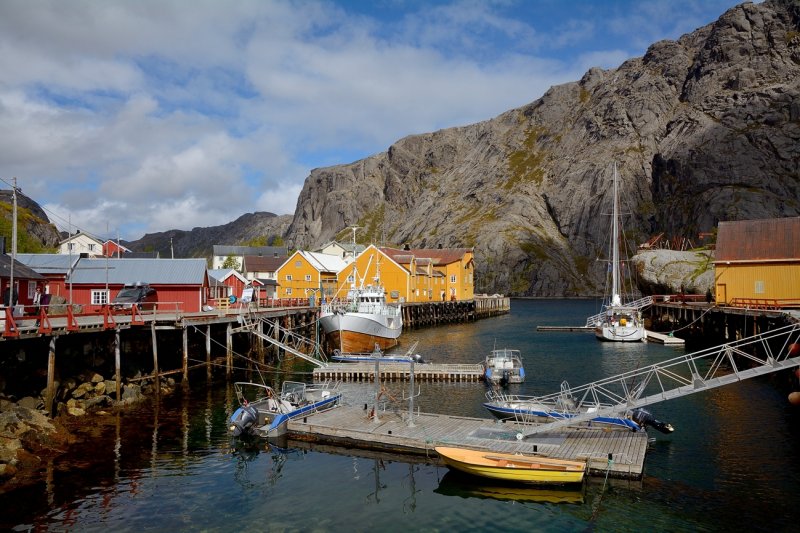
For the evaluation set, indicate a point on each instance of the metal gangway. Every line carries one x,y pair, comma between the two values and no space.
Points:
285,339
639,304
768,352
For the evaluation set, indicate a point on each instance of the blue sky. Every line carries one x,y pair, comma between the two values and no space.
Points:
155,114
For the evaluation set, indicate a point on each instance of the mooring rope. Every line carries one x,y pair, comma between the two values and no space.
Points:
603,490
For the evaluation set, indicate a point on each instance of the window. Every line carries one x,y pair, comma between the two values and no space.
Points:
308,277
759,289
31,290
70,246
288,277
298,264
350,278
288,291
453,278
91,247
99,297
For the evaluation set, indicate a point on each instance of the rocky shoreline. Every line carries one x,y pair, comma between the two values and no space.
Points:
29,437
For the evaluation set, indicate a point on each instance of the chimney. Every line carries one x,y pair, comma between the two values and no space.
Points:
406,246
440,246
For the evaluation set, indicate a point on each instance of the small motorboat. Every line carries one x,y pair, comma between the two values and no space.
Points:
513,467
503,366
563,406
262,413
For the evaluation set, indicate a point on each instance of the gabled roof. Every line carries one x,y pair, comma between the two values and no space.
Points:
48,264
258,263
775,239
153,271
81,234
221,274
346,246
224,250
21,271
323,262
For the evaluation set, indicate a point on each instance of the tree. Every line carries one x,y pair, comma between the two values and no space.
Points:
231,262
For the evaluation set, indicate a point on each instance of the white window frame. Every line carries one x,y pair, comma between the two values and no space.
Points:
99,296
308,277
452,278
759,286
288,277
288,291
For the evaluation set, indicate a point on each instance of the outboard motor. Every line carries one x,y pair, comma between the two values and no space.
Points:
506,378
243,419
644,418
418,359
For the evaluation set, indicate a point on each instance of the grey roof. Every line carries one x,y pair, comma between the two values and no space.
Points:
48,263
223,250
20,270
153,271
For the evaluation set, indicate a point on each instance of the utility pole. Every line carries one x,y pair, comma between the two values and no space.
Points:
13,245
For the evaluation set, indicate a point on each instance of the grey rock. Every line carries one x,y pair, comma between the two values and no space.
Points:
703,129
671,271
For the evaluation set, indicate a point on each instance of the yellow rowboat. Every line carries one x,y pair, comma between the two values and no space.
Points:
512,467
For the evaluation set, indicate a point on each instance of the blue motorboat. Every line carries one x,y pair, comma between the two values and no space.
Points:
263,413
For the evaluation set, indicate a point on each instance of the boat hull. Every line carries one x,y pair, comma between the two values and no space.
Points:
503,411
511,467
360,332
620,333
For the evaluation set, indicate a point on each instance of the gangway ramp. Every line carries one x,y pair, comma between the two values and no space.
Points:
286,339
639,304
765,353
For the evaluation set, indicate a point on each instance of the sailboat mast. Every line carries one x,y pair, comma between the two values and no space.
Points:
615,243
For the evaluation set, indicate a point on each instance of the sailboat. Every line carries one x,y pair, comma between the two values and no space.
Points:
618,321
363,320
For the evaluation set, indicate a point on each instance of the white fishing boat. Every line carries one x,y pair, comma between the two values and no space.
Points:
362,320
262,413
618,321
503,366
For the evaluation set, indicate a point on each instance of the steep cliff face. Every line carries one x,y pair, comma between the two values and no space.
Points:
703,129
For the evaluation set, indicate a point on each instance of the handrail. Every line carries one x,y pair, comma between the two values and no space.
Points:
686,374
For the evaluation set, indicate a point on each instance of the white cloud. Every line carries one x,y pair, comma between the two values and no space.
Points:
153,115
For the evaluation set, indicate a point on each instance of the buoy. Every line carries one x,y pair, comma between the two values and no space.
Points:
794,350
794,398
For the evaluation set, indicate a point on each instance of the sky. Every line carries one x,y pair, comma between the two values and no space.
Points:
125,117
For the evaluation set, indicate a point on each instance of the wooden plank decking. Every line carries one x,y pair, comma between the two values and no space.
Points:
352,426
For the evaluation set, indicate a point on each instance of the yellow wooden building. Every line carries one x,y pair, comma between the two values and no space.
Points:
758,260
304,274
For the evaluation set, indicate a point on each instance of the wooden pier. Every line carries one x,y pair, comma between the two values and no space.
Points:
660,338
618,452
365,371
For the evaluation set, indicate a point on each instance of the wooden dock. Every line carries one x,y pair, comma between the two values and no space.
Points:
391,432
660,338
365,371
564,328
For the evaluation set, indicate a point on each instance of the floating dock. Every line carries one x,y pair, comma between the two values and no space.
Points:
620,453
660,338
365,371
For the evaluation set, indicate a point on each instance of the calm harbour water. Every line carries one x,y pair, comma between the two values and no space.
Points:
732,463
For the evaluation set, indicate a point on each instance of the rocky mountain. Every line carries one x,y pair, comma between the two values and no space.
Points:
703,129
199,242
35,233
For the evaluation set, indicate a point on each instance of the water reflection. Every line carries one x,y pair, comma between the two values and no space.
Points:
463,486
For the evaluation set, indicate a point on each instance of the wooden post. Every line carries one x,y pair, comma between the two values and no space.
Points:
185,354
229,350
50,394
155,354
117,376
208,352
260,341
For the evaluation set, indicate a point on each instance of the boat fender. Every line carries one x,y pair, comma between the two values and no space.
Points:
521,372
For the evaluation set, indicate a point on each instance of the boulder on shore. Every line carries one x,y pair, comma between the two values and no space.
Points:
673,272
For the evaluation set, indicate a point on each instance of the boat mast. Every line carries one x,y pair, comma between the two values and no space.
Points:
615,296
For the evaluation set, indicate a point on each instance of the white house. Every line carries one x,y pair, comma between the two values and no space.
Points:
81,243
